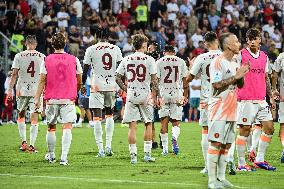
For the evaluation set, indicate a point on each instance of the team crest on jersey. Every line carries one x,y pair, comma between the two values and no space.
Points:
245,119
216,135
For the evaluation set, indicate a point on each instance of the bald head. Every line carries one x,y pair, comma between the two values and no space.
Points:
229,41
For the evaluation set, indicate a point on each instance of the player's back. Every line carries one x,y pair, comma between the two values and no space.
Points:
28,62
138,68
103,58
202,66
170,71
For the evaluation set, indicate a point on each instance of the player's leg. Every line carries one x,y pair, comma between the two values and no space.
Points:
90,118
109,103
22,103
82,116
164,134
265,116
230,159
34,124
175,116
281,131
256,132
52,112
68,115
96,103
203,122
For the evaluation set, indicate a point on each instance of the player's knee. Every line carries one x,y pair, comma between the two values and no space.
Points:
269,129
67,126
175,123
216,144
21,114
51,127
228,146
109,111
245,130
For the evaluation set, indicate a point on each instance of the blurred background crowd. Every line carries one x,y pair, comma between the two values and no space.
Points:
181,23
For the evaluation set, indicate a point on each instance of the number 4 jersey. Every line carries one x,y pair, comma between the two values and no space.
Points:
201,65
28,63
138,68
103,58
171,70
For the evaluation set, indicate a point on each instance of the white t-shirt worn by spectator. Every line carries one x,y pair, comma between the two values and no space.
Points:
195,93
62,23
195,39
79,7
172,7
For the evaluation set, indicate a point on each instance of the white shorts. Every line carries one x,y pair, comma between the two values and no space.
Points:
67,113
221,131
203,120
102,99
171,110
28,102
136,112
281,112
249,112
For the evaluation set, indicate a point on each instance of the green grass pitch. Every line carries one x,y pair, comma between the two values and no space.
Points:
23,170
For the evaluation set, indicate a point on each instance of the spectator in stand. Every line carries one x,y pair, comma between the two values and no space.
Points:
194,99
192,24
142,15
78,7
11,15
88,39
277,38
74,41
172,9
185,8
213,19
122,36
38,6
269,27
128,48
273,52
94,4
268,12
235,28
196,38
63,17
124,17
181,39
162,12
25,8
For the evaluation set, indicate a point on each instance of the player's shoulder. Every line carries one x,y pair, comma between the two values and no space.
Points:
281,56
217,62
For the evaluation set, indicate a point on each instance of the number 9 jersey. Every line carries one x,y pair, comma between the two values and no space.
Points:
138,68
28,63
103,58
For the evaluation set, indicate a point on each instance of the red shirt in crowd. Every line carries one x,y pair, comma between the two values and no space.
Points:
267,14
124,18
25,9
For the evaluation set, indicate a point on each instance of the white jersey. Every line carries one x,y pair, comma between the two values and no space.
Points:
103,58
279,68
171,70
201,65
138,68
28,63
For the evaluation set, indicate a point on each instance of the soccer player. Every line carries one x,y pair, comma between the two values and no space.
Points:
103,58
61,77
278,75
252,102
173,89
222,109
26,68
140,71
201,65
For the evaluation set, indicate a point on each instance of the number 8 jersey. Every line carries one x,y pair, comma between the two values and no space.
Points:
103,58
138,68
171,70
28,63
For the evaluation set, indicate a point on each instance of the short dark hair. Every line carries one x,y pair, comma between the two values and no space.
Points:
253,33
102,33
210,37
223,38
58,41
169,48
31,39
138,40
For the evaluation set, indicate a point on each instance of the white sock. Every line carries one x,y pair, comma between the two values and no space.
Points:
98,132
255,138
212,160
51,142
249,141
241,149
165,141
66,142
80,121
22,131
91,123
132,149
222,163
33,134
175,132
109,131
263,144
231,152
204,145
147,146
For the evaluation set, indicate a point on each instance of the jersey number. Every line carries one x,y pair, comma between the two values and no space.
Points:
139,73
31,69
107,61
170,70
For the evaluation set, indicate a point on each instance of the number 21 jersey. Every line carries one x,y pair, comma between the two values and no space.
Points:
103,58
28,63
138,68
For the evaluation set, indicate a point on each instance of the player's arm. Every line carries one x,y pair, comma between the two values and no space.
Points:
240,83
185,87
274,79
13,82
194,68
79,82
40,88
120,83
85,73
154,86
268,85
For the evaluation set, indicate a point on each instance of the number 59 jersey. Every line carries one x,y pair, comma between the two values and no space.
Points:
170,71
202,65
28,63
138,68
103,58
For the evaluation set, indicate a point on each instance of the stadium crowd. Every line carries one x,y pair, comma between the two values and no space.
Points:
181,23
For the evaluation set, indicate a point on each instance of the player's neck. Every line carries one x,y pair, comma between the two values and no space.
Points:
59,51
254,50
228,55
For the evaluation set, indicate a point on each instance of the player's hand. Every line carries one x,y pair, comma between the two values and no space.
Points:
159,103
276,94
273,103
242,71
191,62
10,94
37,103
